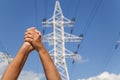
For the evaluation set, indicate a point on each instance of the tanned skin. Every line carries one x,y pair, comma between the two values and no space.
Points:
32,41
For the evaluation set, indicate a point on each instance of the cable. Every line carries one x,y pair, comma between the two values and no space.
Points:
90,18
112,54
77,8
46,8
36,15
92,15
46,3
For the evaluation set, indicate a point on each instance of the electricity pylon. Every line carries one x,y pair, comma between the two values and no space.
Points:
118,42
5,56
58,38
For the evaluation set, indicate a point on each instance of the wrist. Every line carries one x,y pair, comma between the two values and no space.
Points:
40,47
27,46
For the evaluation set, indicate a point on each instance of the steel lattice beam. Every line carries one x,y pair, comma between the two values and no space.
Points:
58,38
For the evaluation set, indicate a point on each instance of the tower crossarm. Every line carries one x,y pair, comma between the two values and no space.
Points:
48,37
57,18
67,38
71,38
68,53
50,22
118,42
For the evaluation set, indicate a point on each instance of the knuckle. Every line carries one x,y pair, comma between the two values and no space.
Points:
31,28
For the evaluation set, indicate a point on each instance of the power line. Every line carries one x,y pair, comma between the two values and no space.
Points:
90,18
36,13
92,15
113,53
77,8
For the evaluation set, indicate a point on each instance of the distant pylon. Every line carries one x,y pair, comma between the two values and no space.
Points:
118,42
5,56
58,38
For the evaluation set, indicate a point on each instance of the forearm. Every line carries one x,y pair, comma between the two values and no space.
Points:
13,70
48,65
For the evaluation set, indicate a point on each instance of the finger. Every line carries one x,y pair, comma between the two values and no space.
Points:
28,36
38,32
32,28
28,43
28,40
29,32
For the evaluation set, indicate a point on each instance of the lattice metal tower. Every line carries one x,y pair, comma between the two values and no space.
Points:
118,42
58,38
4,56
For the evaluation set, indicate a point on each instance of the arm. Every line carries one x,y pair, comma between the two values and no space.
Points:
13,70
51,72
48,65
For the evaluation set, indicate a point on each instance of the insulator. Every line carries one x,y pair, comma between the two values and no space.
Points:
75,52
44,20
43,31
73,61
71,31
116,46
119,33
73,19
81,35
78,45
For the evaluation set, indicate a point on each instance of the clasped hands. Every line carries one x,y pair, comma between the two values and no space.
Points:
32,39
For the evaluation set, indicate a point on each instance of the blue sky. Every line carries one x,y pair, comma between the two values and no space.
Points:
98,20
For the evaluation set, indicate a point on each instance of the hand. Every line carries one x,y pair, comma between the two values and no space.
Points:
33,36
28,46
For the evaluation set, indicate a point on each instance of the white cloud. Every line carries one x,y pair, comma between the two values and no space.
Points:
3,63
29,75
78,58
105,76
